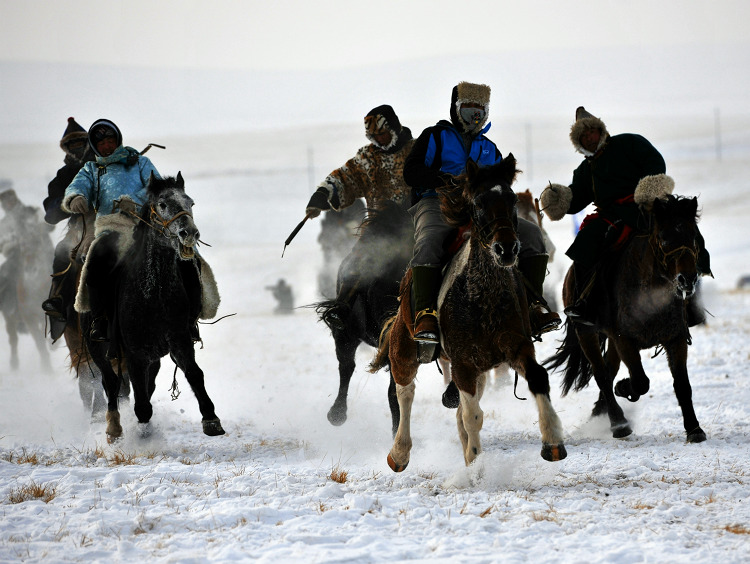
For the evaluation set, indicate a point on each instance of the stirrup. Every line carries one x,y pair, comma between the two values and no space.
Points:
426,336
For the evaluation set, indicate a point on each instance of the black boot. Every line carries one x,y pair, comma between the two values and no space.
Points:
54,307
579,311
542,320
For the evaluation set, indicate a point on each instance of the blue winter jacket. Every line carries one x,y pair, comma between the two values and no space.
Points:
107,179
440,150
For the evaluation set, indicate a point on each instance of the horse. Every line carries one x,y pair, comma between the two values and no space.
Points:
641,302
377,261
483,315
27,249
151,316
87,374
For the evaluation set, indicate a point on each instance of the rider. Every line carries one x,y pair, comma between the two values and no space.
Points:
77,150
375,173
608,177
440,153
118,171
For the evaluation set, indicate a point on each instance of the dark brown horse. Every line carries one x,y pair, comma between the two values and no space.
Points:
483,315
641,296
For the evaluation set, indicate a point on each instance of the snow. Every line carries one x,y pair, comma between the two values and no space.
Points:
267,491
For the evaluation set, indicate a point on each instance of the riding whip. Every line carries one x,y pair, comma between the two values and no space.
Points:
293,234
151,145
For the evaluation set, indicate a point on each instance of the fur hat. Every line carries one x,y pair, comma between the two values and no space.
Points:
468,92
383,119
585,120
73,132
101,129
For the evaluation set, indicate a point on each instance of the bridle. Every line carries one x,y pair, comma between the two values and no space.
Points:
160,224
675,254
486,232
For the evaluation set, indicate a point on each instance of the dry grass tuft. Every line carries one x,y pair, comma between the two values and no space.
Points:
31,491
737,529
338,475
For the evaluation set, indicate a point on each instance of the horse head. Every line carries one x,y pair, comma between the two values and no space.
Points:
169,210
487,202
673,234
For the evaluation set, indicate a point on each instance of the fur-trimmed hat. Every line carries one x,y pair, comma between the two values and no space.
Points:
585,120
73,132
101,129
468,92
383,119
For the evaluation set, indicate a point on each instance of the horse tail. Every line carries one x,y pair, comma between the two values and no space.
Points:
577,374
323,309
381,356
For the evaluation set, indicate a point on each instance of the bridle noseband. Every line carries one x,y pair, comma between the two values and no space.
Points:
161,224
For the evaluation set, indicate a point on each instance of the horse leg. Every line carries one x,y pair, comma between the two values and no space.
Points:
140,370
41,345
346,347
638,383
469,417
185,359
393,405
111,384
537,378
604,377
677,358
612,362
404,366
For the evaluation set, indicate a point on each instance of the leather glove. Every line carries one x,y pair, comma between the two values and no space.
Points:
79,205
318,202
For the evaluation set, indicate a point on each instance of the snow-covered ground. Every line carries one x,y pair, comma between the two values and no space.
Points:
285,485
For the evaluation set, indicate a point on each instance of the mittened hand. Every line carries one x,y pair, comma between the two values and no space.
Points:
312,212
555,200
79,205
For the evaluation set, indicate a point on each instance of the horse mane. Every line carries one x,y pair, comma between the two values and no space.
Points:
461,189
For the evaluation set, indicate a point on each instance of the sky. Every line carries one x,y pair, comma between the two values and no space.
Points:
287,35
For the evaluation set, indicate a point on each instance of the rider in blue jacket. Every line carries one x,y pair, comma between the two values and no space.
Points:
118,171
440,153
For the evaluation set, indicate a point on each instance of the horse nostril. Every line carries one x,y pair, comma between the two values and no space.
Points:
183,234
197,234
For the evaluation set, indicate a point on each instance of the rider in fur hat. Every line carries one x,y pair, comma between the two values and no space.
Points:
375,173
117,172
615,175
75,145
440,153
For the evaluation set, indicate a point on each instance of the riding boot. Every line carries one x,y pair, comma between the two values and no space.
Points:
426,282
100,263
534,269
55,305
579,311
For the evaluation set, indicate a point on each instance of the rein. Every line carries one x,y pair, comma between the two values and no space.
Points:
663,255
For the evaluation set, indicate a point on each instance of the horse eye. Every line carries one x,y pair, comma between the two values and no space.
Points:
162,206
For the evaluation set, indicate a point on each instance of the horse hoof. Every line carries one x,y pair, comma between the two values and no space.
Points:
212,427
144,430
624,389
451,397
396,467
621,431
336,418
554,453
112,439
696,436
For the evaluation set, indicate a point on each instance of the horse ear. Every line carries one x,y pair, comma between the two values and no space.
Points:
180,181
508,167
151,182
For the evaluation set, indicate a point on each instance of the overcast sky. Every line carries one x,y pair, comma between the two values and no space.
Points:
328,34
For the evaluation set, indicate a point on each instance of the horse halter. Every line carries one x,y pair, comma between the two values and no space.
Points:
486,232
157,219
677,253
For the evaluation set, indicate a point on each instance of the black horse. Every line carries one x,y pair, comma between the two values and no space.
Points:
367,295
154,301
642,296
